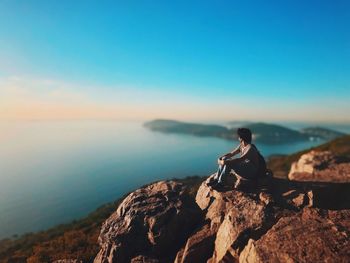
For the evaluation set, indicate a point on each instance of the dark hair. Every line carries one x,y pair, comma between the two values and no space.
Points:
245,134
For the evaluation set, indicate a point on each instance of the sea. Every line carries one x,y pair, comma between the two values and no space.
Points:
52,172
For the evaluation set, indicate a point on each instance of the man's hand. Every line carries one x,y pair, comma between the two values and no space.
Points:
226,156
221,162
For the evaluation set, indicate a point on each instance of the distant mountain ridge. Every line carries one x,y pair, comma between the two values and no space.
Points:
272,133
262,132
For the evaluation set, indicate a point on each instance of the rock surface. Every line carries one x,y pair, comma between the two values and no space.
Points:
199,247
67,261
298,198
295,221
307,236
150,224
316,166
234,216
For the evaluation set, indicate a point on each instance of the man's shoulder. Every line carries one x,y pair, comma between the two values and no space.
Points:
253,148
252,145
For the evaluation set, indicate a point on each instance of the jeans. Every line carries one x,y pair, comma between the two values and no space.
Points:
221,173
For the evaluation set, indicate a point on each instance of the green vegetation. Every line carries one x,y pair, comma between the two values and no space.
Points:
77,240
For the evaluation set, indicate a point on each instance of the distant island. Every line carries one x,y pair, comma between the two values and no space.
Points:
262,132
319,132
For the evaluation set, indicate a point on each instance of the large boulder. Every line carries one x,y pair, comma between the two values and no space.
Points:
151,224
234,216
254,227
320,166
309,236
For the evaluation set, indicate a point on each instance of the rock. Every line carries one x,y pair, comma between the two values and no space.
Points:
309,236
199,246
310,197
162,223
235,216
323,166
245,218
203,197
341,219
266,198
323,179
249,254
144,259
151,222
298,198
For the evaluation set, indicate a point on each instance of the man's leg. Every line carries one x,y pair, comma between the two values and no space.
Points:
223,174
218,173
245,172
215,178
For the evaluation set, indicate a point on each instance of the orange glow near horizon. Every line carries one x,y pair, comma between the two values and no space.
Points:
37,99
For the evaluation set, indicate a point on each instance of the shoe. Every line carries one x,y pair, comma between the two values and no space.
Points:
218,186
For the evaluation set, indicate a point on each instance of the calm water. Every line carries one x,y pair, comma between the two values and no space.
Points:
54,172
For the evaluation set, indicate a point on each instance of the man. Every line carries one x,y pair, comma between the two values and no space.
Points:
245,166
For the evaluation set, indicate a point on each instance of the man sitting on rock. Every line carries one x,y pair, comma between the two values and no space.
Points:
245,167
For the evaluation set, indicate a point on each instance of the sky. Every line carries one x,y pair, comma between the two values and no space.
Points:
185,60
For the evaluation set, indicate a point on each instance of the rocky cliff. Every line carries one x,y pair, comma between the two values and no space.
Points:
274,221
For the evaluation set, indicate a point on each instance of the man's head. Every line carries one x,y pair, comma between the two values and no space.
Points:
245,134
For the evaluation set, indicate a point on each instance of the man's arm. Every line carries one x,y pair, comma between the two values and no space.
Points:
238,159
232,153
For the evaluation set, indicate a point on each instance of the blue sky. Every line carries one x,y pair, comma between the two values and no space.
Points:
198,60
